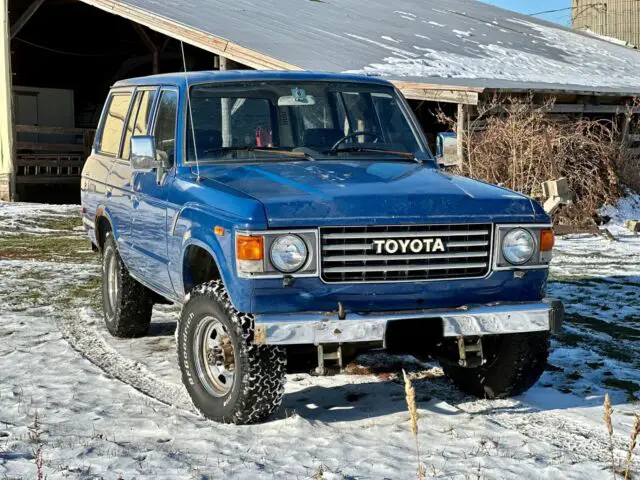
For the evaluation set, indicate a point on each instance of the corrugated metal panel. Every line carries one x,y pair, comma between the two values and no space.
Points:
440,39
614,18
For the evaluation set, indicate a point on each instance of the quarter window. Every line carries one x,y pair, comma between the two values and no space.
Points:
165,129
111,133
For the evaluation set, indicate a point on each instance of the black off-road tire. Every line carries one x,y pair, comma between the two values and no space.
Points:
258,386
515,362
130,316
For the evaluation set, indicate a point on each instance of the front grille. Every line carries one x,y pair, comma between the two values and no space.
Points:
349,254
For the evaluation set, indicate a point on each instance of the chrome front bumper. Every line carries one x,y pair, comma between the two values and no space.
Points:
319,328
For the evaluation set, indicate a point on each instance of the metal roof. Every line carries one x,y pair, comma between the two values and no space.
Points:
193,78
421,45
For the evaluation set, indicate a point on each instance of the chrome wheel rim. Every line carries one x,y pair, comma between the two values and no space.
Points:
215,357
112,282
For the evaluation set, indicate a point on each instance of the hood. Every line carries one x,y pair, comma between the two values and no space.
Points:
297,194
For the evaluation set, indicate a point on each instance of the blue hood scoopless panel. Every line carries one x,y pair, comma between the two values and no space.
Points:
308,194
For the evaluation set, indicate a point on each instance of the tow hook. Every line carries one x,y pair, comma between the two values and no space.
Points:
335,353
470,352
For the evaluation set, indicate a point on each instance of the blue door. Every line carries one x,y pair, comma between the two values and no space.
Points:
118,187
150,193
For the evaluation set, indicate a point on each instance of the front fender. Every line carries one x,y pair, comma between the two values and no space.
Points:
195,228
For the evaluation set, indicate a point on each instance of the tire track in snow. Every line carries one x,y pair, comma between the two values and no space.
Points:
85,339
581,440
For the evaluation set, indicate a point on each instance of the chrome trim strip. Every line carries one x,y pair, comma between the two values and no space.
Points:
405,268
317,327
396,234
353,246
406,256
479,243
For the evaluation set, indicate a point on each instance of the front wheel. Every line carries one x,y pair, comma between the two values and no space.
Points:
515,362
229,378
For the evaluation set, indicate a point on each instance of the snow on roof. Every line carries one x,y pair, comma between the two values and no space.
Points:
458,42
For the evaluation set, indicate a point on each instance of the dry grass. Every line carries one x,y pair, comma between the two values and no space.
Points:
635,431
516,143
632,445
410,394
35,435
608,412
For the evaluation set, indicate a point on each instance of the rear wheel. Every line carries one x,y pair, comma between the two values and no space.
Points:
514,364
127,304
229,378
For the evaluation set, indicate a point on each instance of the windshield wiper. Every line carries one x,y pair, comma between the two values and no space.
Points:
407,155
250,148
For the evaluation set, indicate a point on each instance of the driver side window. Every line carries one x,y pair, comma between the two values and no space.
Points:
165,128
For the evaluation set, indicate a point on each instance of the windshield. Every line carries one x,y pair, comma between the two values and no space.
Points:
318,119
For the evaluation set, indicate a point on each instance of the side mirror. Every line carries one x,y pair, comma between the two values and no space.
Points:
143,154
447,150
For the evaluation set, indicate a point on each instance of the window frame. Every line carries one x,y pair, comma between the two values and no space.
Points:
103,120
151,128
137,93
412,120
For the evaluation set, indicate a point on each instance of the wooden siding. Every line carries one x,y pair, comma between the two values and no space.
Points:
614,18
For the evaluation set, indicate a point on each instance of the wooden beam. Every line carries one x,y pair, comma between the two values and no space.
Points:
438,93
48,179
153,48
52,130
443,96
71,147
25,17
192,36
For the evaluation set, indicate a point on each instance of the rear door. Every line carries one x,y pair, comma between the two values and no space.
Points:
118,188
151,190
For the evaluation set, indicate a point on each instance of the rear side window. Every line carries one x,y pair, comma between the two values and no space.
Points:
113,124
165,129
138,120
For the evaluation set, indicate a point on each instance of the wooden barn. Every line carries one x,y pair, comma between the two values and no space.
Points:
59,57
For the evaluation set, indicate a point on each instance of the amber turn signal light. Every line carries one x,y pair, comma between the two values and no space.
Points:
547,239
249,248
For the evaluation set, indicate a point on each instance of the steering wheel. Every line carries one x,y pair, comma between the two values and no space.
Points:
375,136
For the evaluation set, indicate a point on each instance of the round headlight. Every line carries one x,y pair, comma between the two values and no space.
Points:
288,253
518,246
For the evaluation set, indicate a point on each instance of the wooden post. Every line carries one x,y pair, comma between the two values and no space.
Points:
225,109
7,172
461,131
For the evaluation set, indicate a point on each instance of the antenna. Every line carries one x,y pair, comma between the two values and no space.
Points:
193,132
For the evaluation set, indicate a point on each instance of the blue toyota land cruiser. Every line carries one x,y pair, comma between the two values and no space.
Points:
296,213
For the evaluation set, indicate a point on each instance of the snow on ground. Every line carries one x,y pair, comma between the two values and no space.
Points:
113,408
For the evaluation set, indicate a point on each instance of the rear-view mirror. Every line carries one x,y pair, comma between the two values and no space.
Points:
447,149
295,101
143,153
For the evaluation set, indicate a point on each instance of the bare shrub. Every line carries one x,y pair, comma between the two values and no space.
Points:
516,143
